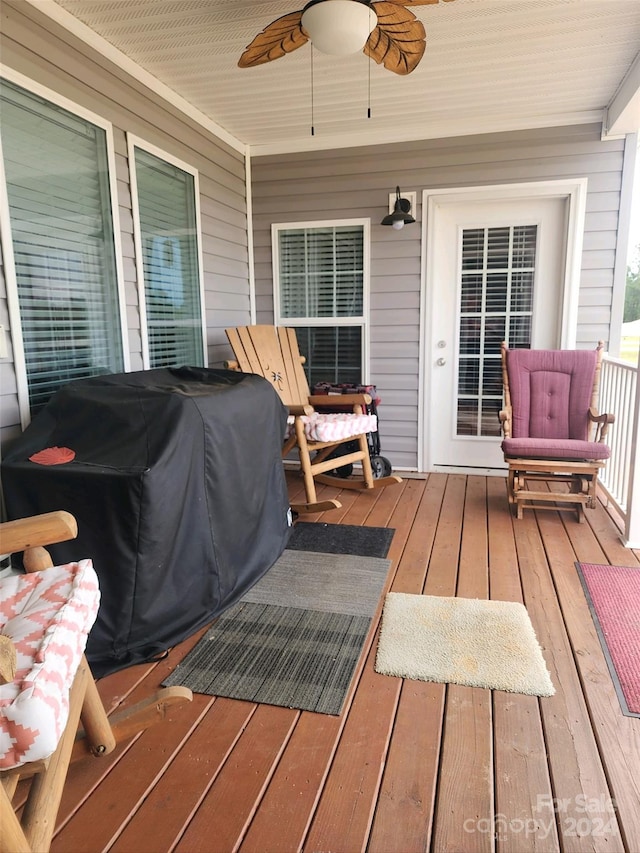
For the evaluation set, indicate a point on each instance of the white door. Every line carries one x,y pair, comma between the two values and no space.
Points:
497,273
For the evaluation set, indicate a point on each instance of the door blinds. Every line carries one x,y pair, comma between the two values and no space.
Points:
496,304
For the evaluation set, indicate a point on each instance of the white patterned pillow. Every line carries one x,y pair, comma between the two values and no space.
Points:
47,615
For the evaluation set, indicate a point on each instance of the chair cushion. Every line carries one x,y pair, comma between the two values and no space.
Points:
335,426
48,615
555,448
551,392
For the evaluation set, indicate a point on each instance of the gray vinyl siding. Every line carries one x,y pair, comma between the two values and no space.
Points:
52,57
356,182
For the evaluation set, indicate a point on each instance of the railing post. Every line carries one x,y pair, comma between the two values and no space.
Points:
632,520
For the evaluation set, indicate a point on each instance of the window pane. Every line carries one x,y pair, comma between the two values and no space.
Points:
494,334
520,332
473,249
470,328
492,377
321,277
496,295
468,375
61,223
168,233
332,354
467,421
489,420
321,271
471,298
525,238
498,248
522,291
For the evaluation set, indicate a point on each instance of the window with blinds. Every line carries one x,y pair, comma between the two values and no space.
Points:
57,178
166,224
496,304
320,274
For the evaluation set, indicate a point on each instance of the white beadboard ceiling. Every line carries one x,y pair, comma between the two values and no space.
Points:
490,65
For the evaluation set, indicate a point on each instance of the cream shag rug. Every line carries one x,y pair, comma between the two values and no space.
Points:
462,641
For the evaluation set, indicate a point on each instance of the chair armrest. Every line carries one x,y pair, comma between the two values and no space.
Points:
504,417
602,422
300,410
331,400
37,530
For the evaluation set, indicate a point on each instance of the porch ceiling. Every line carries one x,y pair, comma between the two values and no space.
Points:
490,65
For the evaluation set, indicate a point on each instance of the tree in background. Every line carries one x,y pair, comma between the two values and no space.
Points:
632,291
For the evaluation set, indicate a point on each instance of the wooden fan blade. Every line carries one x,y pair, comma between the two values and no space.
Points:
398,42
282,36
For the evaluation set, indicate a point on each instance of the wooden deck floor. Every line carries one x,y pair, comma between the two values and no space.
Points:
409,766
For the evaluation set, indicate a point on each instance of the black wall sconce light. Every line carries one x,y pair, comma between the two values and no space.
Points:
401,215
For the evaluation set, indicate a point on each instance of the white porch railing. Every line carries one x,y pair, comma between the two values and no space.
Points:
618,394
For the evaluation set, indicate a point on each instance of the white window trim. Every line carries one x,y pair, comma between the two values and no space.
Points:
364,320
572,189
11,280
134,142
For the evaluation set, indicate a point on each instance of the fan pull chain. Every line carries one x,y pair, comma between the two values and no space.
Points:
313,130
369,77
369,91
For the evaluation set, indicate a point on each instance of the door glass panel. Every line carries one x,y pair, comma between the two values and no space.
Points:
496,304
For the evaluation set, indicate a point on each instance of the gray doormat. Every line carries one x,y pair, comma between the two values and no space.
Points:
341,539
295,639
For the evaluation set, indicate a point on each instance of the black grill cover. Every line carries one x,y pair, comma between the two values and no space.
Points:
179,492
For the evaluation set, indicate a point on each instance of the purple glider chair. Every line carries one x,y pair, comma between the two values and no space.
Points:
550,400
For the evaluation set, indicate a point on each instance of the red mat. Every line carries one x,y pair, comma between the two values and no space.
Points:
613,593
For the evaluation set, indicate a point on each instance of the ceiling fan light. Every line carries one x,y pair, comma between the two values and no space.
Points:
338,27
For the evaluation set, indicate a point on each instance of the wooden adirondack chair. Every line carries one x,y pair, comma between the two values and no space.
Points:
551,426
272,352
46,619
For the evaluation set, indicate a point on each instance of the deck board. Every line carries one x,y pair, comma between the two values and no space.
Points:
465,796
521,774
575,764
229,805
409,766
404,810
616,736
169,808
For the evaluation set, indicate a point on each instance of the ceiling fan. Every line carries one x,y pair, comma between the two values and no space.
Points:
385,30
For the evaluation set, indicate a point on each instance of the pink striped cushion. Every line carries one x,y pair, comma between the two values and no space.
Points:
334,427
555,448
48,615
338,425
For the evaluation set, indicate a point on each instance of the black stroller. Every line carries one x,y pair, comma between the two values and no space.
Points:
380,465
